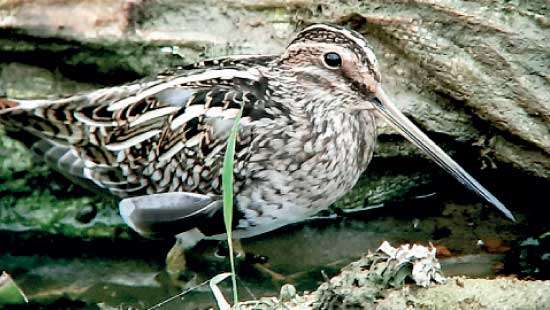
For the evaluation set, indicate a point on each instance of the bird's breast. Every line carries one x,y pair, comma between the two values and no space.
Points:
310,163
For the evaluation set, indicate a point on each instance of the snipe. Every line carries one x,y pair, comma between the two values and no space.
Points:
308,132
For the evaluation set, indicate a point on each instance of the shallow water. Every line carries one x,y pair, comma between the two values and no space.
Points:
297,254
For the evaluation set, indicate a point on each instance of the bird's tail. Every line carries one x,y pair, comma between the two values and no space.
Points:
32,120
7,108
7,105
20,114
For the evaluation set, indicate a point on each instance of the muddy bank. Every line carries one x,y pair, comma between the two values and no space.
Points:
131,272
374,282
457,293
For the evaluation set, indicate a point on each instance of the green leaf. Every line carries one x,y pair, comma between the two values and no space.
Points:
10,293
227,187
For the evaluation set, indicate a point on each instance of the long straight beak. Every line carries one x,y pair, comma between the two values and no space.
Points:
412,133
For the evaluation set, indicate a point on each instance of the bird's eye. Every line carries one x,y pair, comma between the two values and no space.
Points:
333,60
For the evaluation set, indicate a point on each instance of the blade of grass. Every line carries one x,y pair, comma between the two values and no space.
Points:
10,293
227,186
180,295
220,300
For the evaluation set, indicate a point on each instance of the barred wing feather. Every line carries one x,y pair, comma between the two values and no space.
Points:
164,135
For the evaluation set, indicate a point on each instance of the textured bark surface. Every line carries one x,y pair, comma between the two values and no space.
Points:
472,74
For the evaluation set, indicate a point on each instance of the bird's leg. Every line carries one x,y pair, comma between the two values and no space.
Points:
238,248
257,263
175,260
249,263
265,271
176,265
223,249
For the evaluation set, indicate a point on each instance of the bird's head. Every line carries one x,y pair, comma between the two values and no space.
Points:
339,60
333,60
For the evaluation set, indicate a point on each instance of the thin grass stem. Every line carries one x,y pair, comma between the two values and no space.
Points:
227,186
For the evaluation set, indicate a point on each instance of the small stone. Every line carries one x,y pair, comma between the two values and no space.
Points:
442,251
252,258
416,223
497,267
459,282
495,246
288,291
529,242
86,214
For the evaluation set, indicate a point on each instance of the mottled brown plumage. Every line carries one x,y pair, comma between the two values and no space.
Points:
307,133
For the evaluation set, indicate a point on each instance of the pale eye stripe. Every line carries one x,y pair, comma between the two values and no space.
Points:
153,114
190,113
362,43
224,74
132,141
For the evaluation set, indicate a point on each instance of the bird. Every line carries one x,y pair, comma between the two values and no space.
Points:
307,133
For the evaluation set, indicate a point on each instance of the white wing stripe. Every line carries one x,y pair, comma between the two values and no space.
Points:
132,141
171,152
224,74
196,139
153,114
88,121
190,113
214,112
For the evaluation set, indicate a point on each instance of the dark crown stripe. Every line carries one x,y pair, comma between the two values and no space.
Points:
352,39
